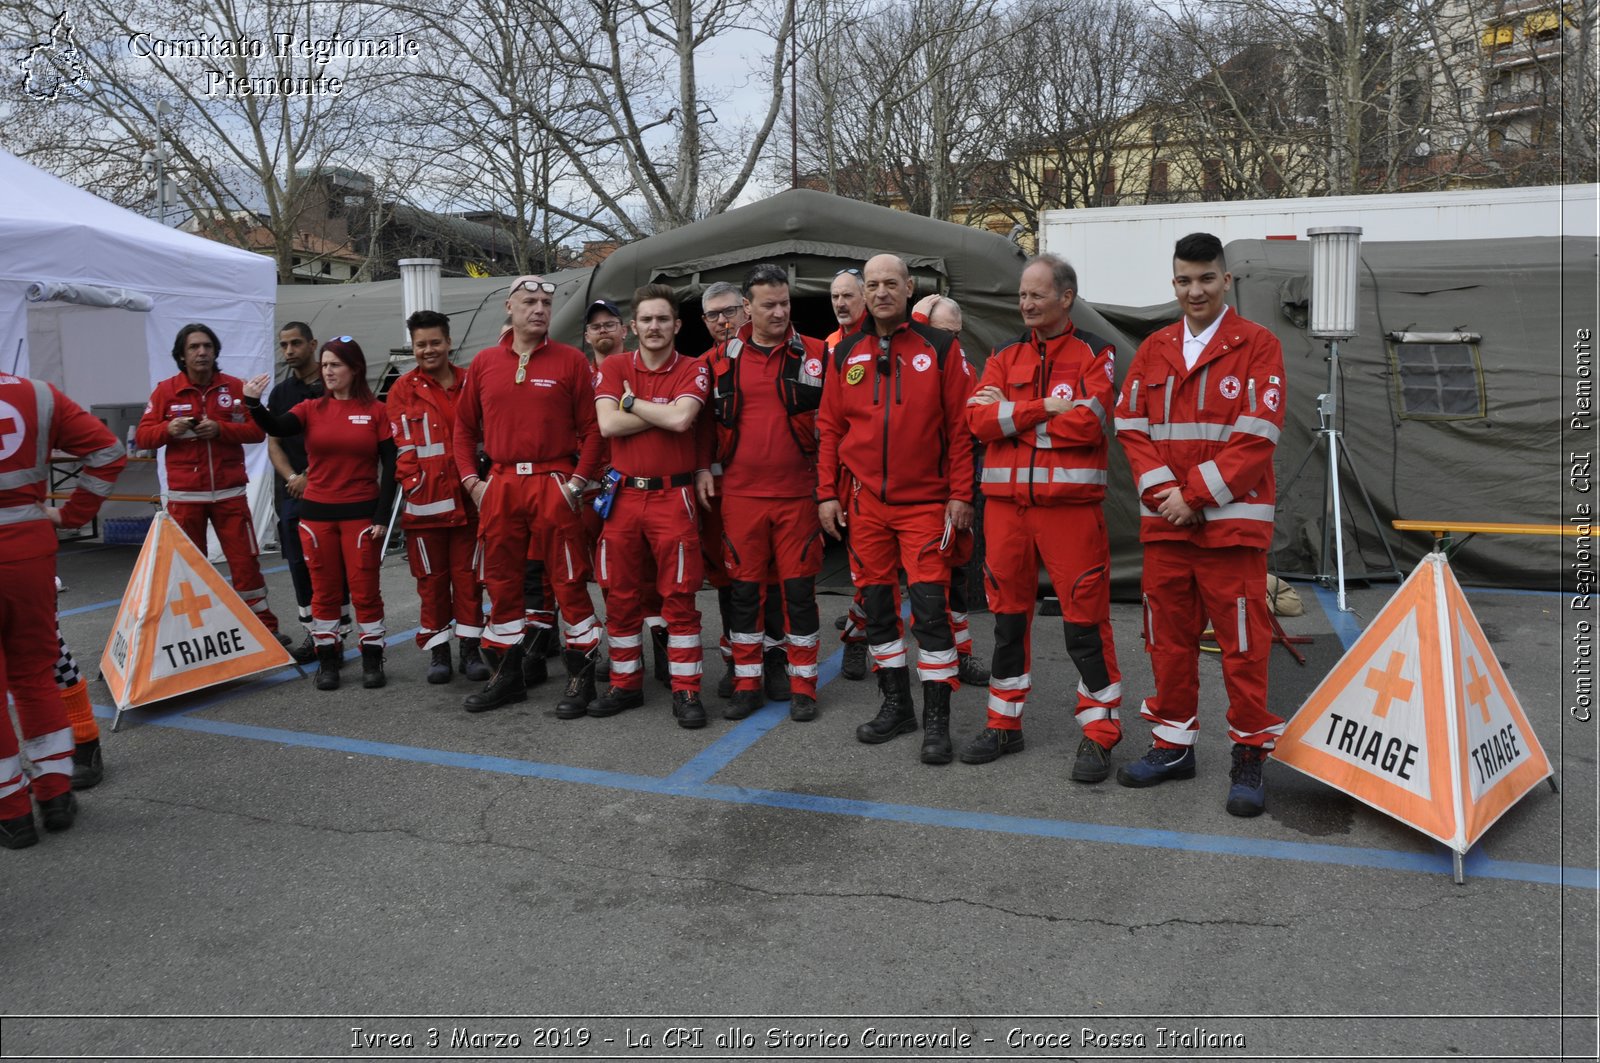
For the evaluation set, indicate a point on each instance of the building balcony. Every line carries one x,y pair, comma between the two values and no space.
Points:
1525,53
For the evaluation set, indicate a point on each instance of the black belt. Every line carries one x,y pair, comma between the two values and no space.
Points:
657,483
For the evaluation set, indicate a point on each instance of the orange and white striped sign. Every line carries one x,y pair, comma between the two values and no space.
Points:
1417,719
181,626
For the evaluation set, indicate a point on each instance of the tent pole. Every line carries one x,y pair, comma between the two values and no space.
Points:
1459,872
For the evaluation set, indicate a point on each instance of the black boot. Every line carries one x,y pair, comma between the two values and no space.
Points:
330,659
897,715
854,664
372,676
306,652
936,724
970,672
535,666
472,663
87,767
688,710
616,700
580,684
775,673
504,688
725,684
439,664
658,651
18,833
59,812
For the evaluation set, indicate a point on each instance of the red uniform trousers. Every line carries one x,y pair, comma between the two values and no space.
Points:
237,536
855,624
444,562
526,517
652,528
340,554
1070,540
28,651
766,535
883,540
649,597
1183,586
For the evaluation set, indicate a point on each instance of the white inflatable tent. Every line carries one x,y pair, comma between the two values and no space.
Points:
92,295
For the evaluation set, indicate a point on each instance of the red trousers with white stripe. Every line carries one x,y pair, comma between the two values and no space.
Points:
341,553
766,535
443,562
883,540
1070,541
1183,586
28,651
855,624
527,517
236,534
645,527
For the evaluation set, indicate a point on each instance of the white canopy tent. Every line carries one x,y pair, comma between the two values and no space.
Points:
109,291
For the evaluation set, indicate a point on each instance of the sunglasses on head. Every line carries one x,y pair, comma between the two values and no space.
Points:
533,286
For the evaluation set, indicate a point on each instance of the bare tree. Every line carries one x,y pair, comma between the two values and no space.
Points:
251,99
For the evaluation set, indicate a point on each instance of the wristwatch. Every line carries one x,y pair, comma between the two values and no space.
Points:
627,403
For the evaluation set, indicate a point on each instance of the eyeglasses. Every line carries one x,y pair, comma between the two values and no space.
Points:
533,286
522,366
853,272
725,314
604,326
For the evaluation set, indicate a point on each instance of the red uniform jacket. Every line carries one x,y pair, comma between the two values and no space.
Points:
1035,458
422,416
200,470
35,419
894,417
800,389
547,421
1211,430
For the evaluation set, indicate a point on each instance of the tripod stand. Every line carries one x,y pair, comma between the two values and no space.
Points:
1331,439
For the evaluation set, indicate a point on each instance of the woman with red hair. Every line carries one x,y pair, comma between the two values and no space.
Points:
350,455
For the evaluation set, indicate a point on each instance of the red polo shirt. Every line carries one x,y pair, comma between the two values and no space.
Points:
655,451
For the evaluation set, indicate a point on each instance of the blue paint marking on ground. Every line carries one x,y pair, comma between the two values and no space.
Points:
1345,625
725,750
1065,830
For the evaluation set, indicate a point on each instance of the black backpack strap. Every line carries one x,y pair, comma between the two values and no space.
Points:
845,346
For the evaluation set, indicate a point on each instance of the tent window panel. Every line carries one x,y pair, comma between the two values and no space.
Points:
1439,381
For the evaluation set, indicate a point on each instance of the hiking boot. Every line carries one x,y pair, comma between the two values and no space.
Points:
535,665
775,674
1092,763
504,688
897,715
970,672
306,652
58,812
658,656
18,833
372,676
472,662
992,743
803,708
330,659
854,664
725,684
687,709
87,767
743,704
1248,794
615,700
1157,766
936,747
581,669
439,664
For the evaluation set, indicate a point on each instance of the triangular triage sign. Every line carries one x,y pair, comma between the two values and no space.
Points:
1417,719
181,627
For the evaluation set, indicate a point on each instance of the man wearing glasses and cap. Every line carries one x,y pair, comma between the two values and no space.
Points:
530,402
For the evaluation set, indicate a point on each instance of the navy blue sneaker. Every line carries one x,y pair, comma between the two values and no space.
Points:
1248,794
1157,766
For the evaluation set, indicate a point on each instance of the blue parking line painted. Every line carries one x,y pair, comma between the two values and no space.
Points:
1345,625
1437,862
719,754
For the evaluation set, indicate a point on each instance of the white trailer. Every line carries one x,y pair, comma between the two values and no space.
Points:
1123,254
